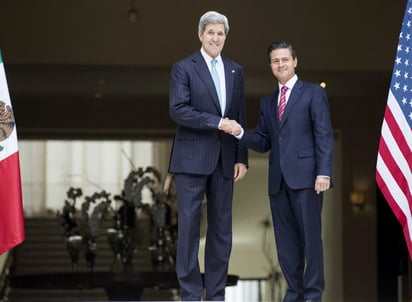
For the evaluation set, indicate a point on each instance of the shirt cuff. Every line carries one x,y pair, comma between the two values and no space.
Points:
241,134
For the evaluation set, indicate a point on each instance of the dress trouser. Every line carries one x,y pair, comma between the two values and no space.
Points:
191,190
296,216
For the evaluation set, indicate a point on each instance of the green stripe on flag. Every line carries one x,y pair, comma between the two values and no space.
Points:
1,59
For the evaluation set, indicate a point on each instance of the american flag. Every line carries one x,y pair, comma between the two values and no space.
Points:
394,163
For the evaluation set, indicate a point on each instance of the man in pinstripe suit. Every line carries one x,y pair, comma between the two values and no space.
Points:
206,161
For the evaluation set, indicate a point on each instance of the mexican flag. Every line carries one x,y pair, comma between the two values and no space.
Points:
11,206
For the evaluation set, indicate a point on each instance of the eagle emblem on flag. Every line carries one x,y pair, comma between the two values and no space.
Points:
7,121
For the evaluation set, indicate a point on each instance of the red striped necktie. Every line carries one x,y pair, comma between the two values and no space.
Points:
282,102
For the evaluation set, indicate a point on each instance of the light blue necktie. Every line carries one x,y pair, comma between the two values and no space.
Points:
215,77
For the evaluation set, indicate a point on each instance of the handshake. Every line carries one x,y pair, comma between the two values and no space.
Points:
230,126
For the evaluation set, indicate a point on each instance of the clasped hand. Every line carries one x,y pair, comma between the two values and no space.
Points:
230,126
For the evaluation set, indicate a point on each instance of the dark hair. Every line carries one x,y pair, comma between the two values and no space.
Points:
280,45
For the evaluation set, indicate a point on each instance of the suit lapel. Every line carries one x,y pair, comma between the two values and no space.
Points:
274,108
203,71
229,78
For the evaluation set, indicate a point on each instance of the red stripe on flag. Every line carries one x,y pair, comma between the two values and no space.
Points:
396,210
391,201
398,135
394,169
11,215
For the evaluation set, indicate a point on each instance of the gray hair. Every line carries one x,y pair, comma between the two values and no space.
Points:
213,17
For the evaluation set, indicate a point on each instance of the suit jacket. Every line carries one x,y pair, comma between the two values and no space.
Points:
194,106
301,145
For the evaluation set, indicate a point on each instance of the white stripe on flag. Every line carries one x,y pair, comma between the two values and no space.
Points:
10,144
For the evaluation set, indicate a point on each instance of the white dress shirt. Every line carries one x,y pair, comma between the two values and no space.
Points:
220,68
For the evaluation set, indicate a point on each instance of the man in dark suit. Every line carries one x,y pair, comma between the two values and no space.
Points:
294,125
206,161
